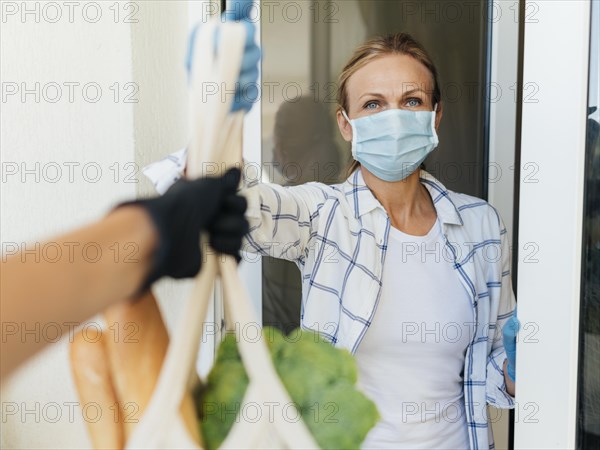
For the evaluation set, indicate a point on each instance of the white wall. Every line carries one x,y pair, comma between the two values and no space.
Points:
37,48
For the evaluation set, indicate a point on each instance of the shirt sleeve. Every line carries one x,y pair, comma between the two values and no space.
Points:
495,385
167,171
281,218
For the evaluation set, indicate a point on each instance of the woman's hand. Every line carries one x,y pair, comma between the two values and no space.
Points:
509,336
246,91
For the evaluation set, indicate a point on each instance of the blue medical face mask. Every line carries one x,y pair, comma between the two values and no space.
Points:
392,144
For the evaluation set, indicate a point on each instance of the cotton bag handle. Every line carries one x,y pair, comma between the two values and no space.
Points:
259,366
255,356
207,115
216,138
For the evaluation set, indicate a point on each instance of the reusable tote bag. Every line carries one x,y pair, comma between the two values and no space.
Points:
216,138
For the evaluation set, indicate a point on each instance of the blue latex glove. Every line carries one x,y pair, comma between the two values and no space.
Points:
237,10
246,91
509,337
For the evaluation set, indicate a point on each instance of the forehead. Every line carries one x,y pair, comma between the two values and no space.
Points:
390,74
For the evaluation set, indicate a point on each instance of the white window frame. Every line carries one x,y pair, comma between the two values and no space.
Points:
556,59
502,140
251,267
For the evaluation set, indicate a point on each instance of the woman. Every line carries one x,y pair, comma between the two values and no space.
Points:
412,278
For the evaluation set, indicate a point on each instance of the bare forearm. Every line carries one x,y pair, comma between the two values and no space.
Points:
112,260
98,265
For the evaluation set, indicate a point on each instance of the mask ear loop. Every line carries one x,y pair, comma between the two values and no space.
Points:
435,135
353,133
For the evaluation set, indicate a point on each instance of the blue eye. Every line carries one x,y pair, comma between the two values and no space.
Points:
371,105
414,102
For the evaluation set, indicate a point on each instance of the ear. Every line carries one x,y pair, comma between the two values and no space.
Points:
344,126
438,115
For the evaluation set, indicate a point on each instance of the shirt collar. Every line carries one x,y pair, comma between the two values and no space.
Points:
363,200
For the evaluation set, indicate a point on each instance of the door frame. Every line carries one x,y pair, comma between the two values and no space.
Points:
556,48
501,159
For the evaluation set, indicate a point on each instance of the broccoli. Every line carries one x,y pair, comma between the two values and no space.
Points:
219,401
319,378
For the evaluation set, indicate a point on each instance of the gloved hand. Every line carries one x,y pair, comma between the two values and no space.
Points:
185,210
246,91
509,337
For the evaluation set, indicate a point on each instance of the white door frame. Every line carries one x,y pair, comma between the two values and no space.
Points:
251,267
502,141
556,58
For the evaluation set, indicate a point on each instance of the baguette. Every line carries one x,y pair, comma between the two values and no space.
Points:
136,350
128,365
91,373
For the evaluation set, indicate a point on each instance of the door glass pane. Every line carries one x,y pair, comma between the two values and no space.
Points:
305,46
589,368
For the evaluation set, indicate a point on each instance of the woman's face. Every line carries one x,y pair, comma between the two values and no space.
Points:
388,82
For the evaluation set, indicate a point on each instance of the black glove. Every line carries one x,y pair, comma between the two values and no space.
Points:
183,212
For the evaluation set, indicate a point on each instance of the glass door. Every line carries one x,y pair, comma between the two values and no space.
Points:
305,46
588,409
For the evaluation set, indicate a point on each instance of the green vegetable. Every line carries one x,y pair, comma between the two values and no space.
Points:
319,378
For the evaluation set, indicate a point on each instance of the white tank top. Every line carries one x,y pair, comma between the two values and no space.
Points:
412,356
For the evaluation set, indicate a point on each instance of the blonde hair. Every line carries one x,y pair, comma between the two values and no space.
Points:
399,43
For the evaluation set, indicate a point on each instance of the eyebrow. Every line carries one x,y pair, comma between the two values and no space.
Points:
378,95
